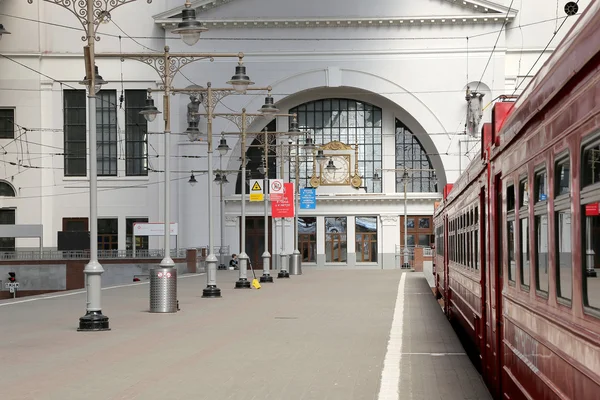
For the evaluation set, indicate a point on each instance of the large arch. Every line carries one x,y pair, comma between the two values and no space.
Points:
7,190
361,86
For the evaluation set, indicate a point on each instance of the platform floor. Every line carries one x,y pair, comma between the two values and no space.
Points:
323,335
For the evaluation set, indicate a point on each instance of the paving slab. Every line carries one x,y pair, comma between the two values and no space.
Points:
322,335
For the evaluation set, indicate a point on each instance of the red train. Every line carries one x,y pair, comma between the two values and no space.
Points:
518,235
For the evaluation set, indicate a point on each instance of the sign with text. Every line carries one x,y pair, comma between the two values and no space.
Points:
256,190
592,210
284,208
276,189
308,199
153,229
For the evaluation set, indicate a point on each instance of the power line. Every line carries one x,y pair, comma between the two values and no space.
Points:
495,44
543,51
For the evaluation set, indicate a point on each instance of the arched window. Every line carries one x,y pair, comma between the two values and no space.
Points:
6,190
350,122
255,159
411,155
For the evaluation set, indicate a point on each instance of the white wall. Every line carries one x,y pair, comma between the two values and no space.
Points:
410,72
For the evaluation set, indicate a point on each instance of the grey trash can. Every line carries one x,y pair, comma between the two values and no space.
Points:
295,264
163,290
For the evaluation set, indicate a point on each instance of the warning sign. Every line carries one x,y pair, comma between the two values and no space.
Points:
276,189
256,191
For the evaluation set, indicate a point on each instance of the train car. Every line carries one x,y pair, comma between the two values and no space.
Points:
521,233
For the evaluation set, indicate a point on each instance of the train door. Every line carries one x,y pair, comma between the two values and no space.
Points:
446,265
494,325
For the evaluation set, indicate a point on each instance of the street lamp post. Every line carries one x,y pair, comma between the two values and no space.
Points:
405,178
90,14
223,148
167,65
266,256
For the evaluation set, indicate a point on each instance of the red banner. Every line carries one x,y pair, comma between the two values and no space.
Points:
284,207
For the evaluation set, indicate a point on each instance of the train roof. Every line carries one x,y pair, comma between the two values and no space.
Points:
576,49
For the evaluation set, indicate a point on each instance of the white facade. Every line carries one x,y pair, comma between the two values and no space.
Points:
414,60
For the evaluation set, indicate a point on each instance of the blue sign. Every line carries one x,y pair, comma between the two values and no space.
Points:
308,199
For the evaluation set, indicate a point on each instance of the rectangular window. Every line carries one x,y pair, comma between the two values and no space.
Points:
524,254
591,272
136,134
541,189
141,242
366,239
541,256
307,238
7,217
108,234
563,177
75,132
564,282
476,248
106,131
511,251
424,240
335,239
7,123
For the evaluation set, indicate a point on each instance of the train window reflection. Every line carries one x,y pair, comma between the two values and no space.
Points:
563,177
541,190
511,251
524,254
523,194
564,266
591,272
591,165
541,259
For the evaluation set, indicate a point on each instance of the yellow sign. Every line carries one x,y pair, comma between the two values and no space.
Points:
256,191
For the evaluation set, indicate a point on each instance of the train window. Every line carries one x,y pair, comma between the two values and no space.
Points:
591,257
541,253
563,177
541,186
476,247
564,268
510,197
524,253
591,165
511,251
523,193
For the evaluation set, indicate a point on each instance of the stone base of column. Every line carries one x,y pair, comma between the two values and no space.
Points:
242,283
283,274
93,321
266,278
211,291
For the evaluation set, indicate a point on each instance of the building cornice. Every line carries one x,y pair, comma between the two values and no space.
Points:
366,22
484,12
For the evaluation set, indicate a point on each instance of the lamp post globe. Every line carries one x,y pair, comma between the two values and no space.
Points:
150,111
223,148
268,109
98,81
192,181
189,28
240,81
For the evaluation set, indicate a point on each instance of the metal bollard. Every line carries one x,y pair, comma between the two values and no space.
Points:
163,290
295,264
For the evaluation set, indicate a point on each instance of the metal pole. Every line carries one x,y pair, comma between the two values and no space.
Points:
93,320
167,262
295,262
405,265
266,277
283,271
222,209
211,290
243,282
